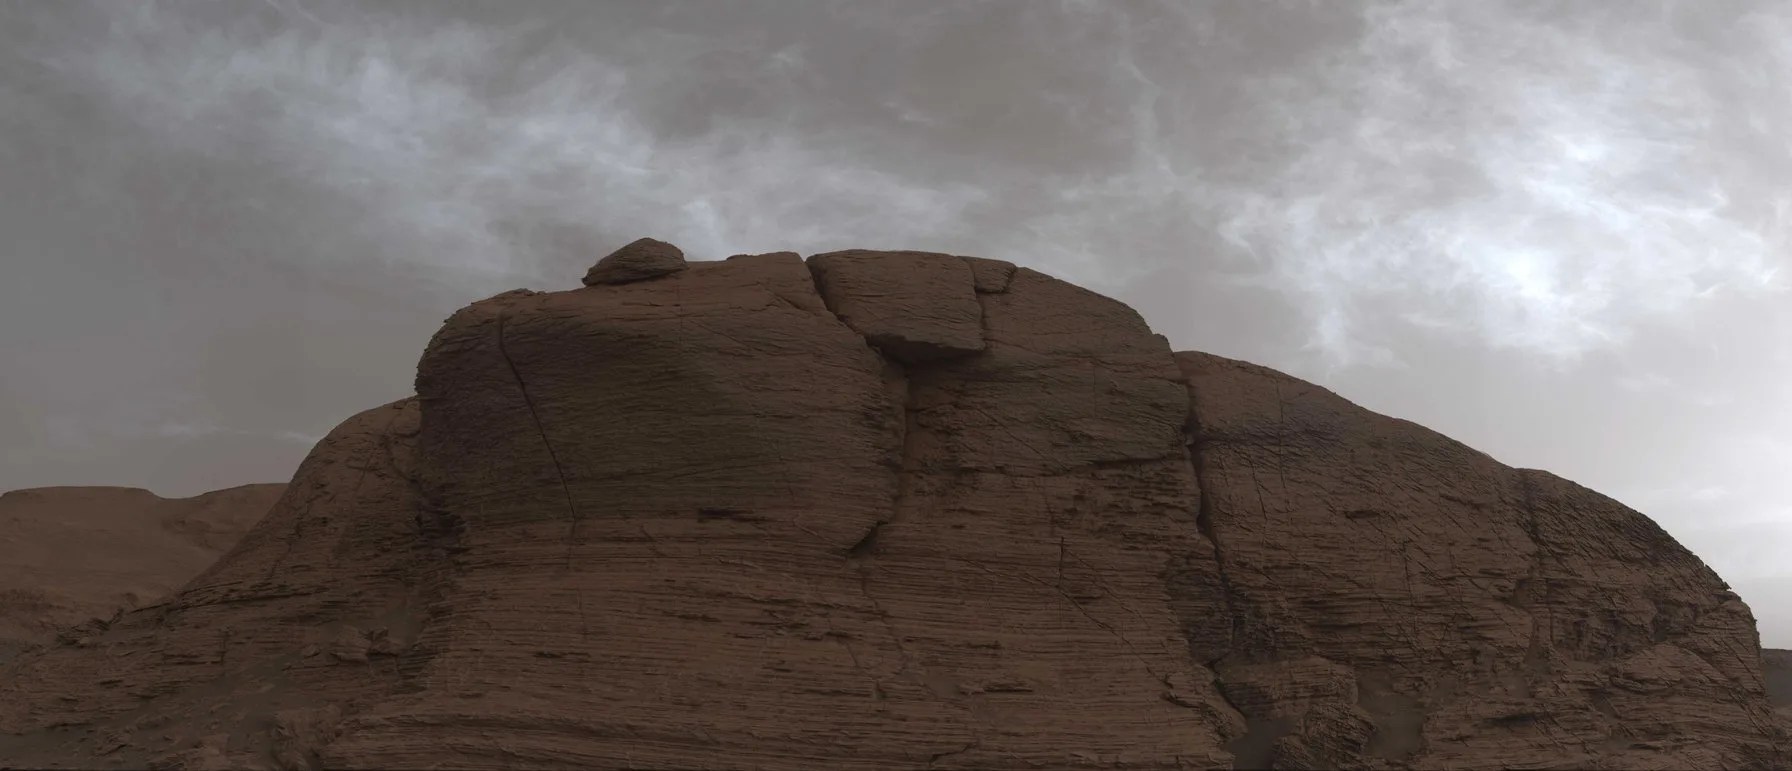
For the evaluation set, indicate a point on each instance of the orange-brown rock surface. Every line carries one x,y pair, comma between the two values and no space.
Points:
71,554
902,510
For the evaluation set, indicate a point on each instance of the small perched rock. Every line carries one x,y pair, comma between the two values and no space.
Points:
641,260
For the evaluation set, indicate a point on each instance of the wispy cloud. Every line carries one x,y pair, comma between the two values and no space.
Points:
1524,185
1540,181
1548,175
397,116
180,430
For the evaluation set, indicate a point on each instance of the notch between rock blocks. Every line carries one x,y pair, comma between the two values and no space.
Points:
867,544
912,307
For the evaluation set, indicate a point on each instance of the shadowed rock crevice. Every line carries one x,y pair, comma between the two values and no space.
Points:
837,296
990,276
1204,523
954,441
865,545
1253,749
861,303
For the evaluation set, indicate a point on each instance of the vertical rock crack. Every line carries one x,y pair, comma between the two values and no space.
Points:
572,511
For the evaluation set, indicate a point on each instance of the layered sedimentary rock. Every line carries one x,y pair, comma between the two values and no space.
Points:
640,260
1464,614
903,510
71,554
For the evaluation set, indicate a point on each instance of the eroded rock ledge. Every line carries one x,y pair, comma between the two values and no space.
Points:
902,510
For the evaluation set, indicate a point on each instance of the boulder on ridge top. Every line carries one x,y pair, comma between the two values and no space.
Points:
641,259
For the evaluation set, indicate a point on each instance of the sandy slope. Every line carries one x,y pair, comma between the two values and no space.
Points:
68,554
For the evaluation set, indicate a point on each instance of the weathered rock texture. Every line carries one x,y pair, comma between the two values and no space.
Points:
893,511
71,554
1469,614
643,259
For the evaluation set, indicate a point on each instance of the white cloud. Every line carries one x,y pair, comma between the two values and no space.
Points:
1546,179
1550,181
189,430
459,181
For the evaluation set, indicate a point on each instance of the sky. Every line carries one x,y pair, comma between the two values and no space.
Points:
1556,232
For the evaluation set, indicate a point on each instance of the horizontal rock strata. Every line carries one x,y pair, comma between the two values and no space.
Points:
880,510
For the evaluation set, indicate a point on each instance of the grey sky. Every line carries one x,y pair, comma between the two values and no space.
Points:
1555,231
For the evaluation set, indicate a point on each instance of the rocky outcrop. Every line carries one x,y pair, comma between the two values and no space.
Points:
69,555
239,654
1462,613
641,260
902,510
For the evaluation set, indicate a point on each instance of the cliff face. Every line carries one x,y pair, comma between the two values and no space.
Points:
1473,614
70,554
900,510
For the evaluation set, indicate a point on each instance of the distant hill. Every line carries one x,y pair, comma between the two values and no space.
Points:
68,554
1777,665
